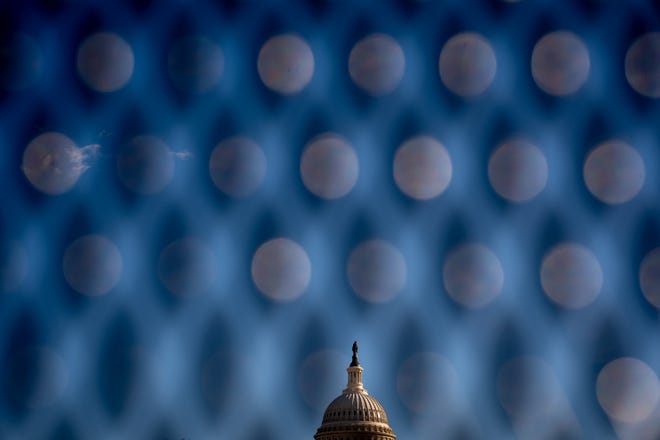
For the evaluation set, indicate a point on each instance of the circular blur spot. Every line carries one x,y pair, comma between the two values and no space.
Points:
376,64
643,65
53,163
13,265
37,376
560,63
422,168
20,62
473,275
627,390
286,64
92,265
186,266
571,275
329,166
614,172
105,62
237,166
526,386
195,64
649,277
517,170
321,374
376,271
145,165
281,269
467,64
427,383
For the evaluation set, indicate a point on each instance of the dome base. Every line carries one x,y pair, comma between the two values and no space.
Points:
350,434
355,431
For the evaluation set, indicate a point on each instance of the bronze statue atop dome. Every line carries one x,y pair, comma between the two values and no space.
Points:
354,362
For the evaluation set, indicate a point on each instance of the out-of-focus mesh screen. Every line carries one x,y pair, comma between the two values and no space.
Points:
204,204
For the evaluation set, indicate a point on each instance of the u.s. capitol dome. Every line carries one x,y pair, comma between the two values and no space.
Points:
355,415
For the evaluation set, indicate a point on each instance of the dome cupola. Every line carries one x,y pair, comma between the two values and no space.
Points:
355,415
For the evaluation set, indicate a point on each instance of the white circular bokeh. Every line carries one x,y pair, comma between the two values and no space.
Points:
649,277
376,271
22,62
145,165
376,64
527,386
92,265
237,166
560,63
517,170
105,62
614,172
627,390
329,166
281,269
643,65
467,64
473,275
428,384
571,275
320,375
187,267
286,64
195,64
422,168
53,163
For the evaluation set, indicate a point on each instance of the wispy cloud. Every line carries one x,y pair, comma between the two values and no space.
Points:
82,158
182,155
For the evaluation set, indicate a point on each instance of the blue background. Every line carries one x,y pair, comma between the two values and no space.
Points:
141,363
